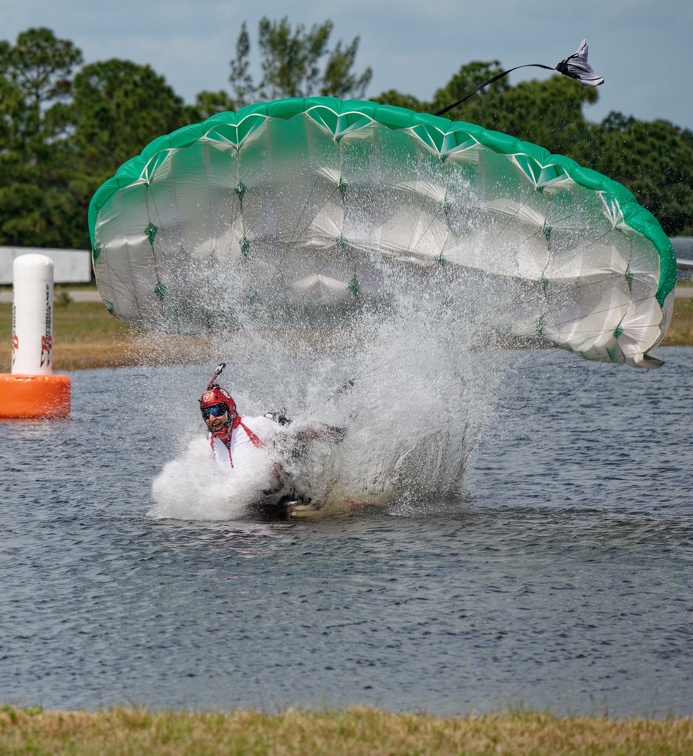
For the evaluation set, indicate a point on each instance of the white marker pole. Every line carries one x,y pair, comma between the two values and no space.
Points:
32,316
31,390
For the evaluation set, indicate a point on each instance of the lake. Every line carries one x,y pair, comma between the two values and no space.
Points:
559,575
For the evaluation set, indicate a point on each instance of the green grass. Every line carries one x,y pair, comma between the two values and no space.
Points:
85,335
680,331
352,731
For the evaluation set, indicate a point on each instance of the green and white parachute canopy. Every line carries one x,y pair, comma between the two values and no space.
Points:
305,211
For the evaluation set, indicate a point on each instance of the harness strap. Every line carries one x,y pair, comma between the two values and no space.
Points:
253,438
226,435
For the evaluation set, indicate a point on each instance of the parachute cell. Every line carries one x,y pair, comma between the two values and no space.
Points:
306,210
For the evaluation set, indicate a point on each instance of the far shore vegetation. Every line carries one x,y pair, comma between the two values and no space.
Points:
353,731
66,126
86,336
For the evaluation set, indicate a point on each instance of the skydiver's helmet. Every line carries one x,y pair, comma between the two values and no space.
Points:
216,401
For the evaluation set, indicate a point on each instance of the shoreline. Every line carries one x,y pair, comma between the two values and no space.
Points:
87,337
353,730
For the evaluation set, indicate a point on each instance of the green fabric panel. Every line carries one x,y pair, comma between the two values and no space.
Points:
160,143
396,118
186,136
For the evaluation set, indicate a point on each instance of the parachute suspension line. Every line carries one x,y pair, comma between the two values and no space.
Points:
343,243
584,285
300,230
537,231
629,275
559,323
239,191
510,219
152,230
581,250
498,256
353,286
119,278
424,231
372,369
313,190
552,395
574,66
577,286
122,281
445,209
162,231
440,211
209,205
544,279
488,83
412,243
513,217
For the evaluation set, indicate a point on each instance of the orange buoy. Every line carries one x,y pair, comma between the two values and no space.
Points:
35,396
32,390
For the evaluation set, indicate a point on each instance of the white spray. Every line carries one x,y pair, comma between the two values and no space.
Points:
408,383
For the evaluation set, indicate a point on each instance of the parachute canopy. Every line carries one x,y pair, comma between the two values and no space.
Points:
303,211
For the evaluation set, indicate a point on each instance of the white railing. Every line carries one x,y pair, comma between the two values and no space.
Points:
69,265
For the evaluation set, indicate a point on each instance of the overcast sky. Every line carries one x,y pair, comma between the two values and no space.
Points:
641,47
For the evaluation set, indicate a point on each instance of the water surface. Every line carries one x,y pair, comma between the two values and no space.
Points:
559,577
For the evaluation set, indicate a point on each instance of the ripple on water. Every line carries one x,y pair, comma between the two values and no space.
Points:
560,578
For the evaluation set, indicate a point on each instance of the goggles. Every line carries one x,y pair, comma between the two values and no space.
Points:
216,411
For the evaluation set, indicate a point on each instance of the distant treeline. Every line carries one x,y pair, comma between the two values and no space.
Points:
65,128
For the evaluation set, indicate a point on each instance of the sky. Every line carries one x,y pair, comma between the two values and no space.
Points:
641,47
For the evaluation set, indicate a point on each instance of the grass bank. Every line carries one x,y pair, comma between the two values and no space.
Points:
680,331
84,334
87,336
350,731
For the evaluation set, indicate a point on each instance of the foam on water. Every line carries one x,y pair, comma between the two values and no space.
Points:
191,488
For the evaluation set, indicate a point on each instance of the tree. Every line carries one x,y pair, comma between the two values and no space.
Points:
63,134
465,82
290,61
548,113
240,76
210,103
393,97
40,65
10,102
655,161
35,77
338,80
118,107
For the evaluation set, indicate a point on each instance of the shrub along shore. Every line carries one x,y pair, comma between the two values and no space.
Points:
85,336
353,731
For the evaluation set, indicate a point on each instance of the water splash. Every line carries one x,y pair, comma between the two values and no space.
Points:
408,383
191,488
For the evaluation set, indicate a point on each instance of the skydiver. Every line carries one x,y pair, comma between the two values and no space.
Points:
255,443
235,440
